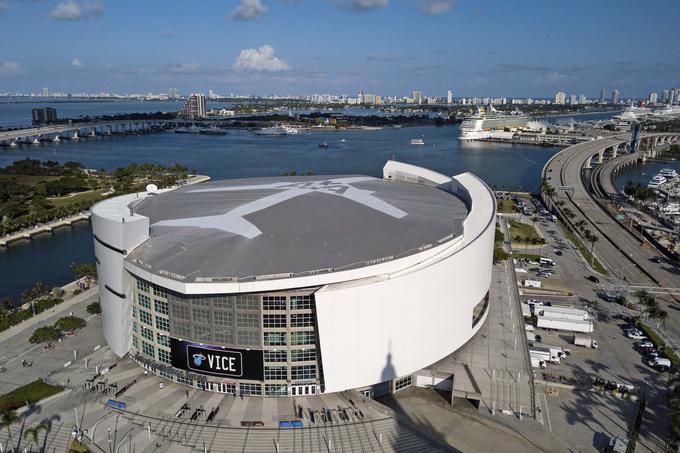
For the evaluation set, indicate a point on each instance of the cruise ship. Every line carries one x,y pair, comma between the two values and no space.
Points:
668,173
482,124
277,130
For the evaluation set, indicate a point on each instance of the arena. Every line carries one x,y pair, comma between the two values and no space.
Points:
300,285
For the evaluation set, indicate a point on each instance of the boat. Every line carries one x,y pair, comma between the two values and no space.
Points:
193,129
482,124
323,145
279,129
657,181
417,141
212,130
668,173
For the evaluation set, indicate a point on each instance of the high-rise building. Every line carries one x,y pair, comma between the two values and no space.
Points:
672,96
449,97
560,98
652,97
173,93
602,94
582,99
417,97
44,115
45,92
194,107
615,97
573,100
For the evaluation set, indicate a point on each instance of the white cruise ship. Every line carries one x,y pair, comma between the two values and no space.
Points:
482,125
277,130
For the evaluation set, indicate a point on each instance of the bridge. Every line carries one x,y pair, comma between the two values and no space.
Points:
626,254
75,131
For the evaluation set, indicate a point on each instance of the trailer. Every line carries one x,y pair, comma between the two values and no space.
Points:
564,312
544,354
554,350
585,341
570,325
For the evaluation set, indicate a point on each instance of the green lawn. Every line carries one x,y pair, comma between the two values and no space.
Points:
522,233
29,393
507,206
90,196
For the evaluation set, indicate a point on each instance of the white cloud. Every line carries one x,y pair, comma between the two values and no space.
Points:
361,5
68,10
249,10
10,67
71,10
94,8
76,62
435,7
259,60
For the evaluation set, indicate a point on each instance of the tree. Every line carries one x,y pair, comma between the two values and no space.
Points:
38,291
8,417
34,432
70,323
87,271
45,334
94,308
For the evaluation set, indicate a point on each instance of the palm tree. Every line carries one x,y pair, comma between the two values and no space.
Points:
6,419
593,239
34,432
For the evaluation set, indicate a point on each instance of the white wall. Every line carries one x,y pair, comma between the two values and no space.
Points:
113,225
377,330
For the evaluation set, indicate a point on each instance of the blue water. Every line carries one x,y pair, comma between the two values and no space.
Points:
242,154
643,173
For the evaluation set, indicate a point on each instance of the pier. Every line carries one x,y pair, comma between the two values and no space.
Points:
44,228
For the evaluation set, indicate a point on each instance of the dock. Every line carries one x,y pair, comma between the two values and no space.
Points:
45,228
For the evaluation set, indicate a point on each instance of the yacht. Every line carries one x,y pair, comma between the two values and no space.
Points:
482,124
657,181
668,173
417,141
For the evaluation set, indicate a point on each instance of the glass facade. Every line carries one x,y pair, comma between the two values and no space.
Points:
282,325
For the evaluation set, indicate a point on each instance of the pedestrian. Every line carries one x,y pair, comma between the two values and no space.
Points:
187,394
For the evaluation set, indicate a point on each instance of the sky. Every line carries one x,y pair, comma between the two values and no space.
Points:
510,48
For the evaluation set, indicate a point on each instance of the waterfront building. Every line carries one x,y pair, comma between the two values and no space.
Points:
582,99
664,96
602,95
218,287
45,92
573,100
449,97
615,97
672,96
560,98
417,97
44,115
194,107
652,97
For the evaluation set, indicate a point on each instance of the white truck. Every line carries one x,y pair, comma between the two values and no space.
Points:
544,354
555,351
585,340
532,283
531,337
570,325
537,363
564,312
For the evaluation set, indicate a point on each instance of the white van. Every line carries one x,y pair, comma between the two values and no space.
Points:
553,218
546,261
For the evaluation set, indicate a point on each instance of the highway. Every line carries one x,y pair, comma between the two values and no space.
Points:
628,260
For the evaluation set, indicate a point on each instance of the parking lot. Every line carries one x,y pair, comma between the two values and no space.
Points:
584,415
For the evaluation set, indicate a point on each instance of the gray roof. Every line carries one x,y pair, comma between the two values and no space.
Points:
238,229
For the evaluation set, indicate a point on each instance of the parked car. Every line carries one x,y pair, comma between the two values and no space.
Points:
657,260
636,335
660,364
593,279
557,252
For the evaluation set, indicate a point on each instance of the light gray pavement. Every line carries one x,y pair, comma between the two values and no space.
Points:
615,360
50,364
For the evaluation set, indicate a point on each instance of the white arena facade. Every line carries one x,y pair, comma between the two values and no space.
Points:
301,285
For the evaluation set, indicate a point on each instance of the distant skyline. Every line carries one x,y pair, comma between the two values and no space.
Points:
387,47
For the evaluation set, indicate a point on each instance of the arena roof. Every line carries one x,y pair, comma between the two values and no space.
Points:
277,227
